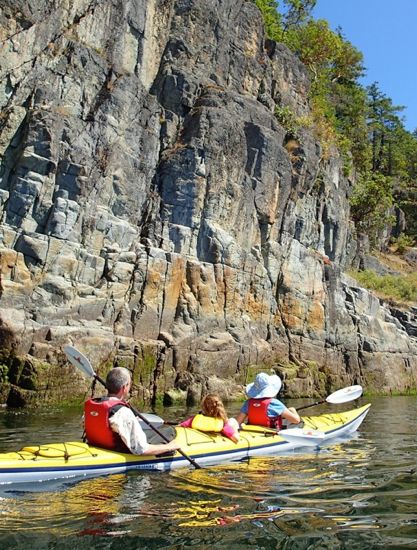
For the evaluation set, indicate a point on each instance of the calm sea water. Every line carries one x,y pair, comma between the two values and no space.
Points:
361,493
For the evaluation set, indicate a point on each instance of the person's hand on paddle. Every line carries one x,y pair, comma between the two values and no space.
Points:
162,448
174,445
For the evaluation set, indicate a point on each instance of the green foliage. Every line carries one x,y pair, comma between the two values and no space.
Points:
271,17
338,102
394,287
371,201
323,123
4,372
407,201
393,152
349,103
402,243
277,24
410,391
327,54
296,12
362,122
288,120
386,131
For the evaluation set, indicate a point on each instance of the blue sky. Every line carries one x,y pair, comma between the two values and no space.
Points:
386,33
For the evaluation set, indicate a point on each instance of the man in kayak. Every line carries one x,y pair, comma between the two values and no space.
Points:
110,423
262,409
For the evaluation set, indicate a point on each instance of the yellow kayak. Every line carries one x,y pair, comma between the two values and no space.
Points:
76,459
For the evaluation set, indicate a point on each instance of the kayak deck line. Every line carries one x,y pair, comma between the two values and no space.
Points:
74,458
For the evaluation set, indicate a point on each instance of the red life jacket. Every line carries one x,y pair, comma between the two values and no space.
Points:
258,414
96,423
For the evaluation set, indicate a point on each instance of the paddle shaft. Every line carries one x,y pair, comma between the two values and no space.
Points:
311,405
161,435
344,395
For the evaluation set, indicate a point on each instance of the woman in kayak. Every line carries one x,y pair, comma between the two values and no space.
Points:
262,408
110,423
213,418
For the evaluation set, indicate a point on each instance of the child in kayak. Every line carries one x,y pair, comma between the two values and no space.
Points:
262,408
213,418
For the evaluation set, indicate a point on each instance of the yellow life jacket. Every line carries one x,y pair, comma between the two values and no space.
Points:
207,423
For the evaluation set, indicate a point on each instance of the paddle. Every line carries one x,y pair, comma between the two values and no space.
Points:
350,393
79,360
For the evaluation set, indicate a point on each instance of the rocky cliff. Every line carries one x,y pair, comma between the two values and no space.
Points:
155,213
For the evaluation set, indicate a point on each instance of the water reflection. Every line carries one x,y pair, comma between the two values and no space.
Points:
93,498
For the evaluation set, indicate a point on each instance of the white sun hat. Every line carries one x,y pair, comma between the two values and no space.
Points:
265,385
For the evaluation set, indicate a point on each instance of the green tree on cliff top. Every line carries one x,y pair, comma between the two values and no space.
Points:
364,123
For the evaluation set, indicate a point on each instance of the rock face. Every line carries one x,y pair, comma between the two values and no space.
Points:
155,213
